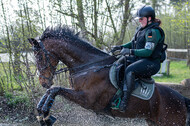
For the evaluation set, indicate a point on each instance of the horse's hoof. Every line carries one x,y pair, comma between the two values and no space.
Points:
42,123
50,121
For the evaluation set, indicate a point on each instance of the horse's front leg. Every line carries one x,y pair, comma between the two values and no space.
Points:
44,106
47,100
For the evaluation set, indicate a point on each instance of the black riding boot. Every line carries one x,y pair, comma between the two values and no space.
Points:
128,87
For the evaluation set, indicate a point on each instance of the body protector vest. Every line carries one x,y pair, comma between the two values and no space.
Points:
139,41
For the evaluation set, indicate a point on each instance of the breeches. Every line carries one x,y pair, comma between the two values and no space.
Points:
143,67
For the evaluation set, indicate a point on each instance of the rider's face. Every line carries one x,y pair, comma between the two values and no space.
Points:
143,21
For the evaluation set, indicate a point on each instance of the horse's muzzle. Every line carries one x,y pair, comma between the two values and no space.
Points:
46,85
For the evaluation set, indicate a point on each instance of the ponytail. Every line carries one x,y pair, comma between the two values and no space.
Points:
158,21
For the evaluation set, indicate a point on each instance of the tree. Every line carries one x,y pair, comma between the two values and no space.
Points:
124,21
81,20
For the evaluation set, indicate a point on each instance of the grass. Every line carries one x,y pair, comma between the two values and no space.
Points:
20,99
178,72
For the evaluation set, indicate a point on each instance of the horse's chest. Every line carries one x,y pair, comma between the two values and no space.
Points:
81,80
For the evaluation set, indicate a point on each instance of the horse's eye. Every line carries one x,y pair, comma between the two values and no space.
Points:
39,57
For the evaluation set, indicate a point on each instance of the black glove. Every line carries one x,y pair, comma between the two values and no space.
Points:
125,51
116,48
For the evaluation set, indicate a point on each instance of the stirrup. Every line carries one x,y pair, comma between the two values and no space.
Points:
116,100
115,105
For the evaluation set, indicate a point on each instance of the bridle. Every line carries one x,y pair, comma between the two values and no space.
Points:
65,69
47,62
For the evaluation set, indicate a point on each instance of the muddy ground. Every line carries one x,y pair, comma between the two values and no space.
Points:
67,114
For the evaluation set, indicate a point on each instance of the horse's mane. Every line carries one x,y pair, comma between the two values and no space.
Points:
68,35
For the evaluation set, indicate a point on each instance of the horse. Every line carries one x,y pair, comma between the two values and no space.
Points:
91,88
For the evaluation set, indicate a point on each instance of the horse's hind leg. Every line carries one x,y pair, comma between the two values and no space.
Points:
151,123
187,103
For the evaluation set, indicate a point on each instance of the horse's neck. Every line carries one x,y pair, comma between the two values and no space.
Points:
74,56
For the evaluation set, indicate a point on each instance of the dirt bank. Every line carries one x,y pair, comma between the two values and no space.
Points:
70,114
67,114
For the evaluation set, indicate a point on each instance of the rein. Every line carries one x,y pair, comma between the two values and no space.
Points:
65,69
81,67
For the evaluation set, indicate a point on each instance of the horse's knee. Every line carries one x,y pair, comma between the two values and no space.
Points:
41,103
53,90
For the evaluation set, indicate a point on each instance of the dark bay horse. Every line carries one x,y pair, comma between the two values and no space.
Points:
91,87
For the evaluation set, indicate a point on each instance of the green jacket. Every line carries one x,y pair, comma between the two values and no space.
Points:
152,38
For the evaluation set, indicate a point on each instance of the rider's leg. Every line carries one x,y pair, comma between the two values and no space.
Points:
128,87
143,68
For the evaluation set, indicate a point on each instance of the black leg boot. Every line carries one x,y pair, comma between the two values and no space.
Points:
128,87
123,104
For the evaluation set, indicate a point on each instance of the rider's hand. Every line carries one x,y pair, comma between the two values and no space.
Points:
116,48
125,51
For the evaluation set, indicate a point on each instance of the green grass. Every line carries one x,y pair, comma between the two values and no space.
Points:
17,99
178,72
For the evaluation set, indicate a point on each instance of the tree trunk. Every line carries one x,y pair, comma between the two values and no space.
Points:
124,23
154,4
80,18
40,15
8,44
112,21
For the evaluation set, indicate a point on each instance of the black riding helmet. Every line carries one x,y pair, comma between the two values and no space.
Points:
146,11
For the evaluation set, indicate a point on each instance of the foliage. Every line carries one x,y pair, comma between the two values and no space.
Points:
17,100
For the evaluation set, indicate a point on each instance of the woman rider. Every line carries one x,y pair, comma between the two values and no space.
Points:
146,46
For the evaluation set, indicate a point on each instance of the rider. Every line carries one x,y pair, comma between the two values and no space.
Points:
146,46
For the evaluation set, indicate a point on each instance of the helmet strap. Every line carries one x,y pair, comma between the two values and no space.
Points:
148,20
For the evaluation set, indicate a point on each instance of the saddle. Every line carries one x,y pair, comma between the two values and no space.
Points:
144,87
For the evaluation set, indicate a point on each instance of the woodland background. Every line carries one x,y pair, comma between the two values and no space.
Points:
104,23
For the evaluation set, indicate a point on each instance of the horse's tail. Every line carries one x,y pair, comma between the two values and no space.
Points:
187,103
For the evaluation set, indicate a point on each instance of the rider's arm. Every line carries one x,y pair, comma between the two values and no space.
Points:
152,38
127,45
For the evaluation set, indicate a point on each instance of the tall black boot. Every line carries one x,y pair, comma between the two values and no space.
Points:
128,87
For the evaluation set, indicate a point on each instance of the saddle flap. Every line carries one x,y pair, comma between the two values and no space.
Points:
144,87
112,76
116,75
143,90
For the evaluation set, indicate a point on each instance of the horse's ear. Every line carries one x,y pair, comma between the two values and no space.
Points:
77,34
33,41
